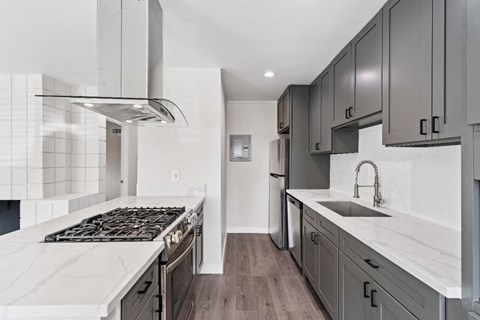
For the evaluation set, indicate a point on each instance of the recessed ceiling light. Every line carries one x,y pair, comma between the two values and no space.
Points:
89,105
138,106
163,121
269,74
129,121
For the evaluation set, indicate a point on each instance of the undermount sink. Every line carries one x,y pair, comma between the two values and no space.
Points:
350,209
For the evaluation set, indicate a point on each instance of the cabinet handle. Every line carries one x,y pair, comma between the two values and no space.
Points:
365,289
423,123
145,289
317,146
315,239
350,112
312,236
347,114
371,264
372,298
435,124
281,124
199,230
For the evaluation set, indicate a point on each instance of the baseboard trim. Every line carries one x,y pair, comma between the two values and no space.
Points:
211,269
247,230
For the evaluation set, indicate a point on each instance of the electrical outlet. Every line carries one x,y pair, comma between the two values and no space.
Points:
175,176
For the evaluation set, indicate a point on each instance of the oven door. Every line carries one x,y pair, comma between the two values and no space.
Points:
178,282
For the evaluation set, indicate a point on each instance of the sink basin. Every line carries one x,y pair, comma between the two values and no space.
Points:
350,209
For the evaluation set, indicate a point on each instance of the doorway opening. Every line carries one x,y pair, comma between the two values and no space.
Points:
113,161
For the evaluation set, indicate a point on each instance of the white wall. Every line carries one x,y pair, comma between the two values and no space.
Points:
423,182
248,182
195,151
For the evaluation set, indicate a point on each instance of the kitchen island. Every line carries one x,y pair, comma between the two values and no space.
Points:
83,281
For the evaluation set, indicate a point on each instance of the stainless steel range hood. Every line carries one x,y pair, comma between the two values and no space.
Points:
130,65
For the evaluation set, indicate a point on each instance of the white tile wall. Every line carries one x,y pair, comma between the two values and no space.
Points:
424,182
44,143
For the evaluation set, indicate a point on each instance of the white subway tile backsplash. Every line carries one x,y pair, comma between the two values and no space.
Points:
19,81
48,175
35,176
27,222
48,190
60,208
28,209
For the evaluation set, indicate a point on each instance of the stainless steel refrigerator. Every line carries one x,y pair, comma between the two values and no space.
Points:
279,150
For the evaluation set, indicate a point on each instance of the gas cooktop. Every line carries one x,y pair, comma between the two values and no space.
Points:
121,224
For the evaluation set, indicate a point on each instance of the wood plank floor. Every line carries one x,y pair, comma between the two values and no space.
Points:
259,282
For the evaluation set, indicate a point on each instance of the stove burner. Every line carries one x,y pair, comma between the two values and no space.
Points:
121,224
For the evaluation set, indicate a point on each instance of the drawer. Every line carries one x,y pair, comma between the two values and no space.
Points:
417,297
139,295
328,229
151,310
310,215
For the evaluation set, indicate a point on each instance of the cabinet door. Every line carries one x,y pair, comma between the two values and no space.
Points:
328,275
309,252
407,78
315,115
280,120
286,109
447,114
342,86
473,70
367,62
386,307
326,102
354,291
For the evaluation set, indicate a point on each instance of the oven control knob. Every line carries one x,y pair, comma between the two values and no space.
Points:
179,234
174,239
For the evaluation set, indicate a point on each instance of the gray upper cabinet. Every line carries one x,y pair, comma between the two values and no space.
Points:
321,113
423,86
342,71
328,275
386,307
367,64
283,112
473,71
407,79
315,115
354,291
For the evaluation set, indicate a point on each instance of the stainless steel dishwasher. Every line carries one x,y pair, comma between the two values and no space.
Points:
295,229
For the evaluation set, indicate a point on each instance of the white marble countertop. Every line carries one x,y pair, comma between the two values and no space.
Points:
429,252
74,280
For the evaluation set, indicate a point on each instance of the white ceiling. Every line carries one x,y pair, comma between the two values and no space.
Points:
294,38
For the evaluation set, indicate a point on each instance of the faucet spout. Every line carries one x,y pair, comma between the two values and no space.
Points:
377,198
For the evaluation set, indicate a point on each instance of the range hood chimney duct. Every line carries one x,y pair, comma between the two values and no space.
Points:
130,65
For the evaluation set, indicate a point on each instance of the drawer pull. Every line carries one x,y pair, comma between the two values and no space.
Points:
365,289
312,236
372,298
371,264
157,311
315,238
145,289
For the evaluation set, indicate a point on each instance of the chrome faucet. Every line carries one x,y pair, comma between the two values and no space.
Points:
377,198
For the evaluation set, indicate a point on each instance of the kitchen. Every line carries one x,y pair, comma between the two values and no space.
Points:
235,177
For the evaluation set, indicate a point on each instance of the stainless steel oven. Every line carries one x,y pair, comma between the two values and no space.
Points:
177,280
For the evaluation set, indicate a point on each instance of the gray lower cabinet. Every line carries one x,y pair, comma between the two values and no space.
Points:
386,307
367,69
142,301
354,287
328,275
309,252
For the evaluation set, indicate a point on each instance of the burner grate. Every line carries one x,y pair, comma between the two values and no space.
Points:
121,224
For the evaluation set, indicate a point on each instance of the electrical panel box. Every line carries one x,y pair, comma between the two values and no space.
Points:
241,147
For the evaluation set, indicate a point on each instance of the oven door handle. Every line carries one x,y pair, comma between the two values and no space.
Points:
175,263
